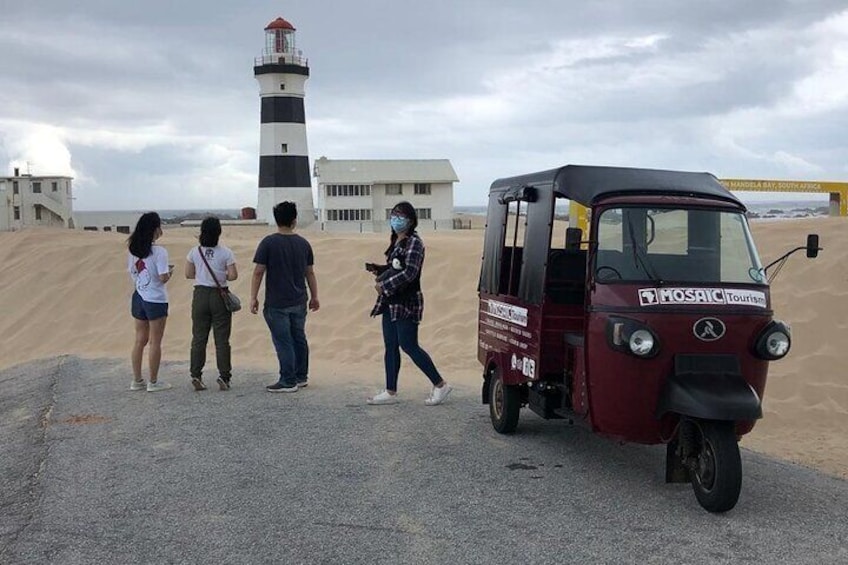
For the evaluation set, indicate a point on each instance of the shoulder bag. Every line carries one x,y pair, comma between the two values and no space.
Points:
231,301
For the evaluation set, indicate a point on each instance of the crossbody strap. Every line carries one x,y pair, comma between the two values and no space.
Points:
214,278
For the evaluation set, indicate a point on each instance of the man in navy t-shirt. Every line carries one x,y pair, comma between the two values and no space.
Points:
285,260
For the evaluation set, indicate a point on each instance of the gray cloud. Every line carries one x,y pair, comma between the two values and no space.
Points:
157,104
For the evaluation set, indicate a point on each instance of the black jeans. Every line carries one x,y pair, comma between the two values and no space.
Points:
208,312
403,334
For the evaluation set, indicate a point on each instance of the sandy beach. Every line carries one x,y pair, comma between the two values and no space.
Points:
67,292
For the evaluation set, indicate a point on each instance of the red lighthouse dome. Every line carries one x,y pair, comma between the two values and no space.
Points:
279,23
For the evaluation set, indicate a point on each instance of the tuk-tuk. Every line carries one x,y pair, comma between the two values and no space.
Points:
654,327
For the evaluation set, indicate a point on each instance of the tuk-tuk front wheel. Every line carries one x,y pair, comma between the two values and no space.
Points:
715,465
504,404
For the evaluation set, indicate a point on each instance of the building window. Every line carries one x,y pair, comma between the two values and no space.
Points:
284,148
38,212
348,190
15,189
422,213
422,188
55,187
394,189
17,212
360,215
36,187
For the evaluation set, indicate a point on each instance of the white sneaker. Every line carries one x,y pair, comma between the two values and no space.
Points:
439,395
138,385
383,398
157,386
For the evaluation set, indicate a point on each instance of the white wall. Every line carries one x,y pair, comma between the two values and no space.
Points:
440,202
5,211
101,220
273,135
269,84
270,197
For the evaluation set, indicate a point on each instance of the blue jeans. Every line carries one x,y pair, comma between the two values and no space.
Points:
403,334
288,332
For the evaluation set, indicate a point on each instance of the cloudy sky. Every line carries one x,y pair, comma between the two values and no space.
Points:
153,104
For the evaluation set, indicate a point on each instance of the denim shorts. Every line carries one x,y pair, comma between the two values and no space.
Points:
143,310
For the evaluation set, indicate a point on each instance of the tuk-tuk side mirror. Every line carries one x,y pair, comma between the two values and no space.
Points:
813,245
812,248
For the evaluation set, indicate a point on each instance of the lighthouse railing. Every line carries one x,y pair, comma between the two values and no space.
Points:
280,59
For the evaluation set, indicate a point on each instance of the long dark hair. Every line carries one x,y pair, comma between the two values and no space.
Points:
210,231
407,210
140,242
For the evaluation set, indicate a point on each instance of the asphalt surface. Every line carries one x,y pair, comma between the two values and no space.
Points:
93,473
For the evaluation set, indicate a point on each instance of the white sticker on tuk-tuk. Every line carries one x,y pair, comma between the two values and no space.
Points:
720,296
508,312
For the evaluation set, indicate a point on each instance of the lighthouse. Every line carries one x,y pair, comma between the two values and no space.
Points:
283,156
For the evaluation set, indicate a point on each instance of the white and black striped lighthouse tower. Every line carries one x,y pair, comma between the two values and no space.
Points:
283,155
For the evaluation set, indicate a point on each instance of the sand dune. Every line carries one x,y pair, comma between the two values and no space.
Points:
68,292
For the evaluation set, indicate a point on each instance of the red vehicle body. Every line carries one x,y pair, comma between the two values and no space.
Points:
656,328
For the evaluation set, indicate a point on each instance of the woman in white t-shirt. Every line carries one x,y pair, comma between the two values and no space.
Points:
207,305
148,266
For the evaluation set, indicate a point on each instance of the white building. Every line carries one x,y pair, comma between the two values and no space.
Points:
357,195
27,200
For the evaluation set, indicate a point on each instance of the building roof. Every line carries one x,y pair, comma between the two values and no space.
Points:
381,171
279,23
38,177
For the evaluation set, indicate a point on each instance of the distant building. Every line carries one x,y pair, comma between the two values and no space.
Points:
121,221
27,200
357,195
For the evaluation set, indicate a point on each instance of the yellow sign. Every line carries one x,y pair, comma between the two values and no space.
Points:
578,216
838,193
838,190
783,185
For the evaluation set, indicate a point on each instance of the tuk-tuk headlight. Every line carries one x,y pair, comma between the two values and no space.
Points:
774,341
777,344
632,337
642,343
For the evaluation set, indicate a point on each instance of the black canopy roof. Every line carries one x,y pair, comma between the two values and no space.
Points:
586,185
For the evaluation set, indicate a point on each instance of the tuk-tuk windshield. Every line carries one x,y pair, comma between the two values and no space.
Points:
675,245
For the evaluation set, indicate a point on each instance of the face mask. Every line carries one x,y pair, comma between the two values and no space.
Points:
398,224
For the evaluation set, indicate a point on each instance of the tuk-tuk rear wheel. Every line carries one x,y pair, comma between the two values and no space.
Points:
504,404
716,467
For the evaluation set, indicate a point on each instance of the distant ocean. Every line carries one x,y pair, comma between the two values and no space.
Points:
769,209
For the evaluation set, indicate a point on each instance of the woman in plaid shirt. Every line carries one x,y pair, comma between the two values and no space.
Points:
399,300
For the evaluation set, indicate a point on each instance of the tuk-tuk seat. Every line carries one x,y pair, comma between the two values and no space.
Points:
574,339
567,276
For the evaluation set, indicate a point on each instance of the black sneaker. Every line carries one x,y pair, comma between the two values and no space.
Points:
198,384
279,387
223,385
